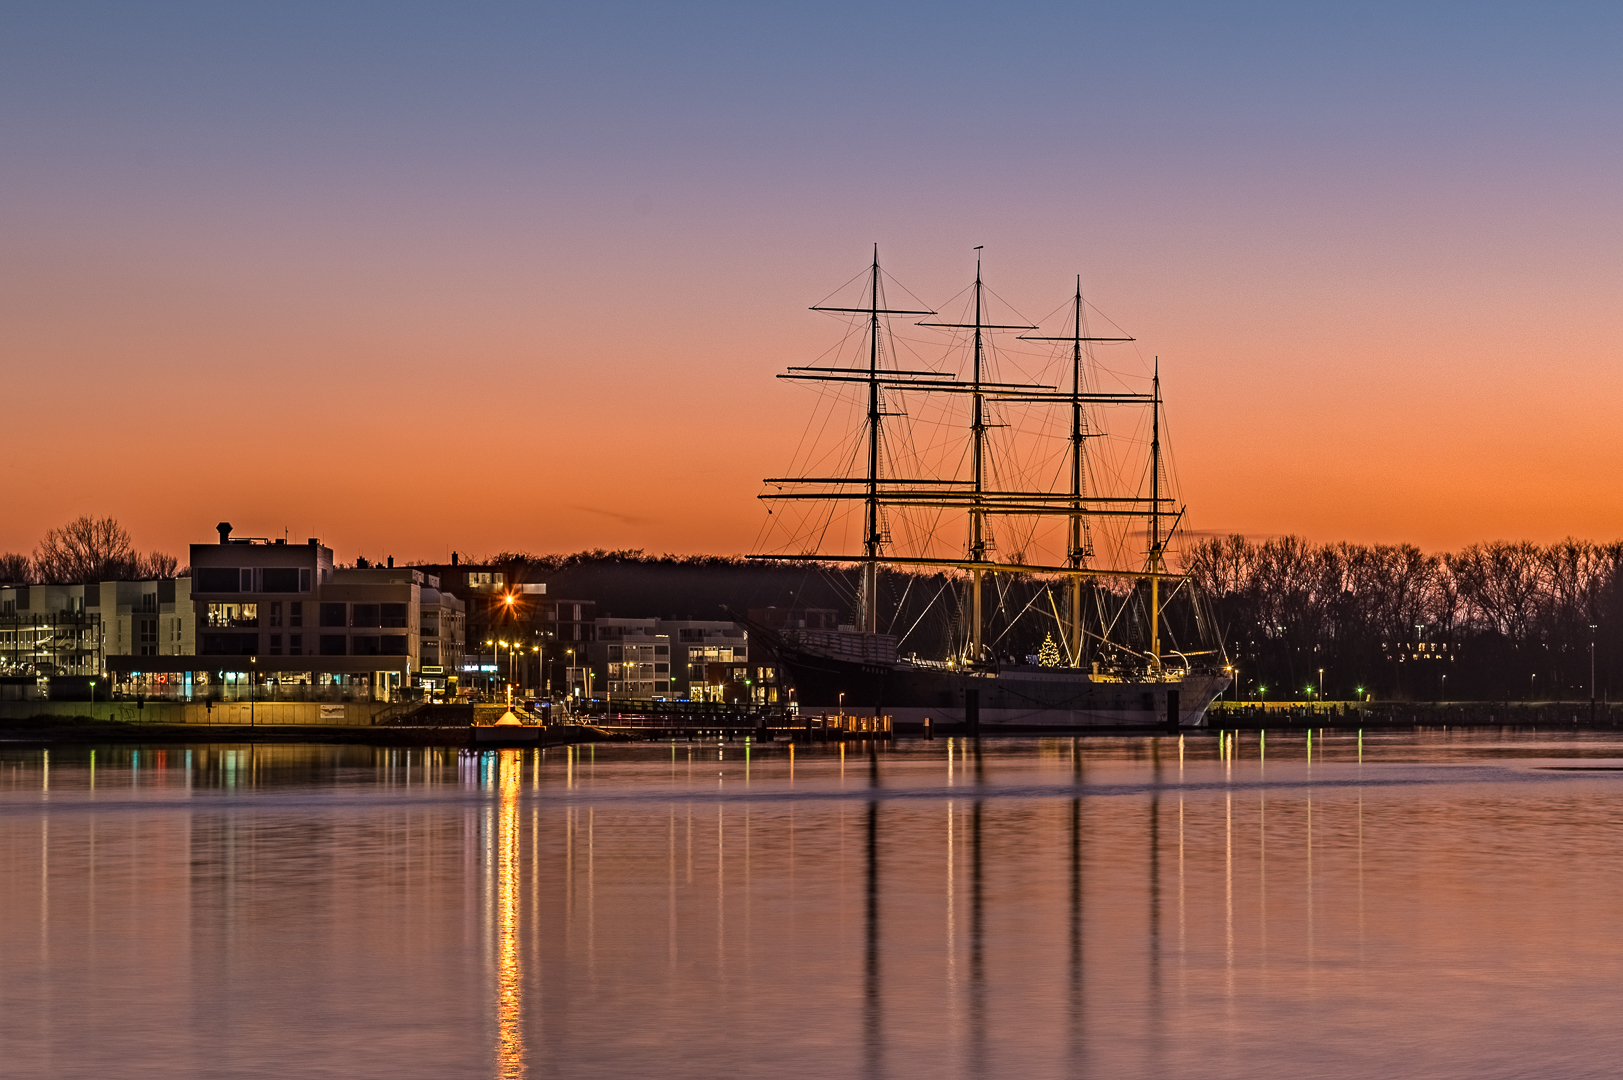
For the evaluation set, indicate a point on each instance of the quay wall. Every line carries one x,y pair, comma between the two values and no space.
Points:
223,714
1544,714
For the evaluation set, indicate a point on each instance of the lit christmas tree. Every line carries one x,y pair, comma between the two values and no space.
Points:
1048,653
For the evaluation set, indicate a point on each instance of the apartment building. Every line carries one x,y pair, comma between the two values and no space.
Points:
68,630
282,620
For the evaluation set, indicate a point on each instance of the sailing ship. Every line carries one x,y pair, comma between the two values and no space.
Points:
1113,667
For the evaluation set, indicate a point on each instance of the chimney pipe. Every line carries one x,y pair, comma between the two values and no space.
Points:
453,558
225,531
391,562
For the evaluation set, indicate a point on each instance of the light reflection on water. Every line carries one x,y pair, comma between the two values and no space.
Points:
1440,904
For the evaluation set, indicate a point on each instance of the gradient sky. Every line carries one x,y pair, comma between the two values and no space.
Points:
418,277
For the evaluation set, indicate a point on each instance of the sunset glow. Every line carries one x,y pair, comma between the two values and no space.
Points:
416,280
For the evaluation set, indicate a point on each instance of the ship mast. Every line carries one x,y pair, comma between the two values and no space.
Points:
868,616
1155,521
977,514
1080,546
977,497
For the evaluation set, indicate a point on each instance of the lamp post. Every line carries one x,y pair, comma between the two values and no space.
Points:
1321,684
489,678
1591,673
1532,686
1445,686
253,666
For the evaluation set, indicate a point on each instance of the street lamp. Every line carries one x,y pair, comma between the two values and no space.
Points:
1591,672
1321,684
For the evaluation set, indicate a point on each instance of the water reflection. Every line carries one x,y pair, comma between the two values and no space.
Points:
239,910
509,972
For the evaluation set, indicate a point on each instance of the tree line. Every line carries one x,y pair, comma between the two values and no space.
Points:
85,550
1493,621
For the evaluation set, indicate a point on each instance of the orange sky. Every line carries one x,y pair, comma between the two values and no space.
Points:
404,307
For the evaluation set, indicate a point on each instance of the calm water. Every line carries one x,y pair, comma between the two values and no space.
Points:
1417,905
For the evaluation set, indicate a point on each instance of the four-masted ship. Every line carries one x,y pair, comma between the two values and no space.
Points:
1112,667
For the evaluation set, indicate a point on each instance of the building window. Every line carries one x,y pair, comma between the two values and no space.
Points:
394,645
233,615
333,644
229,644
395,616
295,614
365,645
276,613
333,615
365,615
276,644
295,644
217,579
280,579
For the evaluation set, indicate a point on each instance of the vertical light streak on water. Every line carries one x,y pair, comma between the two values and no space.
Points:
1262,877
749,897
1360,874
949,763
1077,1040
93,769
721,898
1154,1043
1183,937
872,1027
671,886
952,925
591,893
1228,895
976,1056
1310,885
489,875
536,979
509,980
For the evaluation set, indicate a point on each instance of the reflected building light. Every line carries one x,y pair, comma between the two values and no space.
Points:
509,974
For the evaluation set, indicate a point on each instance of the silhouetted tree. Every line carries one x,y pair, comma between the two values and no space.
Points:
16,569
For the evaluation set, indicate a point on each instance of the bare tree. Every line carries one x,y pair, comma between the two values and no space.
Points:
16,569
84,550
157,564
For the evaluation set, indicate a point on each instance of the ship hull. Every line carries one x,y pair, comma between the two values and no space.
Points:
1013,698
